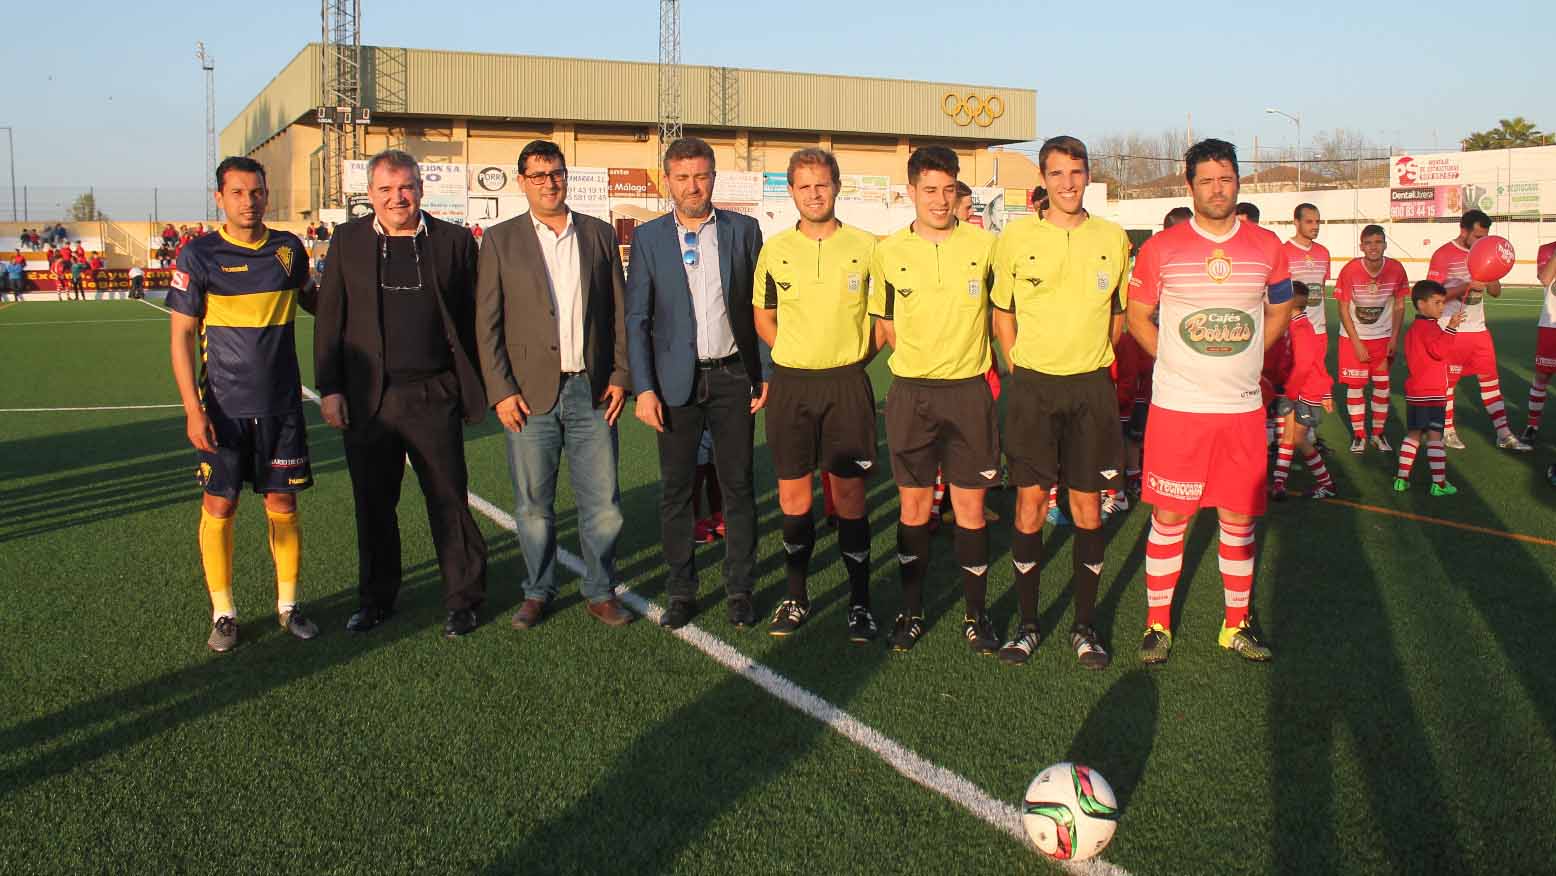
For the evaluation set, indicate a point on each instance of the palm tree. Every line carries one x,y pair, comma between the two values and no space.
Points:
1508,134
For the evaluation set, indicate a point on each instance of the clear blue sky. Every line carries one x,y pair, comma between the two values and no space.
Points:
120,102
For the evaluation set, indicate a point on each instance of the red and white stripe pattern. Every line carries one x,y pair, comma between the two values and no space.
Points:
938,500
1283,463
1448,405
1407,458
1537,398
1380,403
1315,466
1491,395
1163,564
1437,458
1356,408
1237,549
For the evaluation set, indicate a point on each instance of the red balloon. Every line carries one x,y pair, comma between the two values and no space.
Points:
1491,258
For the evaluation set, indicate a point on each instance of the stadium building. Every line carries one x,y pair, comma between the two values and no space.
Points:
469,114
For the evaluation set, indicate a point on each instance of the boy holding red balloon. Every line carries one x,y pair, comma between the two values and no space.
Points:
1470,270
1545,347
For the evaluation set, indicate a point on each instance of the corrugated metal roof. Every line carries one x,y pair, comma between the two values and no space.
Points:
490,86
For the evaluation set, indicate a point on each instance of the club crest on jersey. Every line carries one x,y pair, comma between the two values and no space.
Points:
1218,267
284,256
1217,331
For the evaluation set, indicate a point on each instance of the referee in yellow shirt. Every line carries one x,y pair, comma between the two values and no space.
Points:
810,306
929,293
1059,308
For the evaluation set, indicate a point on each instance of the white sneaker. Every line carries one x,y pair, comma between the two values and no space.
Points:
1451,439
1382,444
1509,441
1358,446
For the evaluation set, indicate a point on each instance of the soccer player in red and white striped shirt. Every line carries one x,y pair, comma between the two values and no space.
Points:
1472,347
1545,346
1371,291
1223,290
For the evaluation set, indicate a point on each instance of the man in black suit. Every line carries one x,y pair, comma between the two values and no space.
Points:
395,361
553,346
697,362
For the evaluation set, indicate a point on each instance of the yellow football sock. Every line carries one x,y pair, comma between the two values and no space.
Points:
216,555
286,549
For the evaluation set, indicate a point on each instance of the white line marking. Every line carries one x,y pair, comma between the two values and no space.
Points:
90,408
1003,816
942,781
79,321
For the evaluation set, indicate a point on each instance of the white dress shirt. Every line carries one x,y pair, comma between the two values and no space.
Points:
560,252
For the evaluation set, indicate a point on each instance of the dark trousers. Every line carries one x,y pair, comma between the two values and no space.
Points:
721,402
420,419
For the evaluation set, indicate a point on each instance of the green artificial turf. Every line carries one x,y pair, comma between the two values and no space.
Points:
1406,725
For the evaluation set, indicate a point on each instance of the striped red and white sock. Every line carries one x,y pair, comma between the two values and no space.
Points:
1437,458
1448,408
1237,548
1380,403
1315,466
1537,398
1163,564
1283,463
938,501
1491,395
1356,407
1407,458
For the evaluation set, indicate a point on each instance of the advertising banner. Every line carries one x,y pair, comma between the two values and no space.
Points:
775,185
588,191
738,187
631,182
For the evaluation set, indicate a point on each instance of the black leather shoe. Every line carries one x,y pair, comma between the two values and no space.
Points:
461,621
367,618
678,615
741,614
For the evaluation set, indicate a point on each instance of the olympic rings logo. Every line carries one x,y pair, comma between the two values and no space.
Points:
972,109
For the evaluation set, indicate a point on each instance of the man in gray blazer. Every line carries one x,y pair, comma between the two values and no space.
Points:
553,345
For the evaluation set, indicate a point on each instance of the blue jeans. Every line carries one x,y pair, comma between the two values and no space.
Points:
534,459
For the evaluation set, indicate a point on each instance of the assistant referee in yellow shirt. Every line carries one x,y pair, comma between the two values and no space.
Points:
929,293
810,305
1059,308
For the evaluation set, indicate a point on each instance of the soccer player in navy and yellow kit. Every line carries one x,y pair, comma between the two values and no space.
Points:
234,293
810,306
929,293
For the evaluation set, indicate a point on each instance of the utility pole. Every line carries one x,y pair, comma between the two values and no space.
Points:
669,75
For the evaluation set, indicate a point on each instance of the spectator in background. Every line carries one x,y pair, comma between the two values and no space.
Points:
99,280
78,268
137,281
312,236
169,235
324,232
476,232
16,275
79,253
59,268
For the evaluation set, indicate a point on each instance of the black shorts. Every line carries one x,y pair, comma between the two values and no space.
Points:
269,452
1307,415
1426,418
821,419
1063,426
943,425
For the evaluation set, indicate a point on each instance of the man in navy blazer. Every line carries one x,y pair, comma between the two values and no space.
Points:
697,363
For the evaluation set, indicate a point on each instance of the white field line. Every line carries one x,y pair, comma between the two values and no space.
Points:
79,321
1001,815
88,408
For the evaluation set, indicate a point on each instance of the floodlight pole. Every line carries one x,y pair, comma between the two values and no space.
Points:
10,151
1298,120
